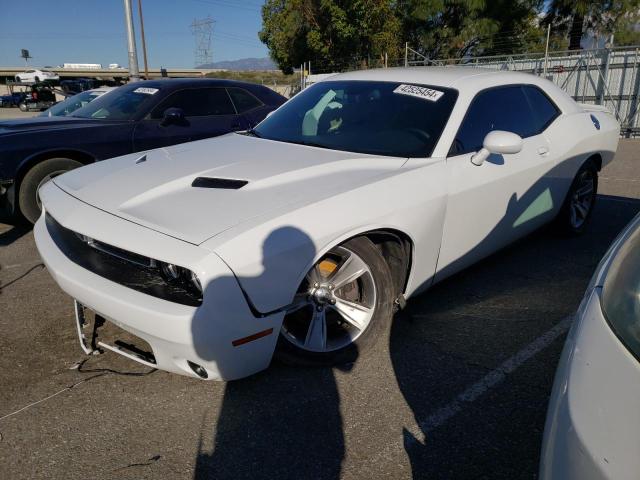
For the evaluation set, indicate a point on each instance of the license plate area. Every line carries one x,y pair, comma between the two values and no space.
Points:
97,334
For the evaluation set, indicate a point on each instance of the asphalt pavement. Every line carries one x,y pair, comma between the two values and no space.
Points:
459,390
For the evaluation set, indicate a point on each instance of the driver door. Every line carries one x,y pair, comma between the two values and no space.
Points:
208,113
509,195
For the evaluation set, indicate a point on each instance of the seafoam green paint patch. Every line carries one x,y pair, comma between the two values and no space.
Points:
541,205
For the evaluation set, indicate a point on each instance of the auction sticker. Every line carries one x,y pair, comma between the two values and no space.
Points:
146,90
419,92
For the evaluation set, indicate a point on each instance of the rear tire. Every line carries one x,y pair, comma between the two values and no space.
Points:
577,209
359,317
23,107
28,199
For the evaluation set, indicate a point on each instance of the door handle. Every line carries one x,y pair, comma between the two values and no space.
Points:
543,150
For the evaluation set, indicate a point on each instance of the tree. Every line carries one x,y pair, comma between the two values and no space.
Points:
331,33
601,18
456,28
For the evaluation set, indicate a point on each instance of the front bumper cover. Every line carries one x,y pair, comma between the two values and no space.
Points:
178,334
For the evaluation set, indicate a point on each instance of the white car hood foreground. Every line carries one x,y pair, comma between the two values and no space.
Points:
156,192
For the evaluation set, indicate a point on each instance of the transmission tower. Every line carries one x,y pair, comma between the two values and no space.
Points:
202,30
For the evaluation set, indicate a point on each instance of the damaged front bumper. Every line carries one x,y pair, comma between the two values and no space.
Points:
178,336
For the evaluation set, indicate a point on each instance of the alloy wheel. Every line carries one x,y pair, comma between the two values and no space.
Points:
334,304
582,199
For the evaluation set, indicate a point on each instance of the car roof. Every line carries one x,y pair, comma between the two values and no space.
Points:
176,83
454,77
467,80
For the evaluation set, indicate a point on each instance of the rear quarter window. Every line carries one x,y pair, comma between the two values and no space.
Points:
243,100
544,110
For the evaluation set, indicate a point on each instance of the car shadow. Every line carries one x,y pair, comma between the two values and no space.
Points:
475,320
282,423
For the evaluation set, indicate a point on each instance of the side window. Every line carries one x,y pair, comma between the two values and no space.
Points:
502,108
197,102
544,110
243,100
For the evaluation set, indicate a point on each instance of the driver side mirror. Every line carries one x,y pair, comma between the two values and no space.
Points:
499,142
173,116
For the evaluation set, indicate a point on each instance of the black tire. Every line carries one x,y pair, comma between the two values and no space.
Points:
565,221
378,328
28,200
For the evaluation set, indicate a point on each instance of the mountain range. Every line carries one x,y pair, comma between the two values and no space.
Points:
264,63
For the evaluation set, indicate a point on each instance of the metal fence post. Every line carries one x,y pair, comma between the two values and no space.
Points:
546,51
605,77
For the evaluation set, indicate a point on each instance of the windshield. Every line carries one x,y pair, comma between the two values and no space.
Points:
121,104
71,104
382,118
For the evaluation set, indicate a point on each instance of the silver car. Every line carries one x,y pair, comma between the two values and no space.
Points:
593,423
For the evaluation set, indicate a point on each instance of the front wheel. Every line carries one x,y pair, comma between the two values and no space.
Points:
577,209
342,308
28,197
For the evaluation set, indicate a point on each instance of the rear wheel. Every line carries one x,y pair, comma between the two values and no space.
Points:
342,307
28,197
22,106
578,206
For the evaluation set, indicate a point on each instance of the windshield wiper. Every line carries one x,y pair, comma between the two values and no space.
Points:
251,132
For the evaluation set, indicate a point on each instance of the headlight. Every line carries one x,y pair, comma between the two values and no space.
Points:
175,275
621,294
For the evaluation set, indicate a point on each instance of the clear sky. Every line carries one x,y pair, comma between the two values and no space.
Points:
93,31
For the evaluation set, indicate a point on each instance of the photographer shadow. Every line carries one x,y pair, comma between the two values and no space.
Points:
284,422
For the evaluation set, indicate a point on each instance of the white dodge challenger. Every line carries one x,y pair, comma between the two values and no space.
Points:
301,236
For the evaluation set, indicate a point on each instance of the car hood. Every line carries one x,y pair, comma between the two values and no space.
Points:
154,189
29,125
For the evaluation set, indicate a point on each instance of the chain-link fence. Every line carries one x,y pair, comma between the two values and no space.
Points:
607,76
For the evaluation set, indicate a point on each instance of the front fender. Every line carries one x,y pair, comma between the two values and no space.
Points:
271,256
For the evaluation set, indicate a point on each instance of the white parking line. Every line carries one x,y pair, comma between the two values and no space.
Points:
489,381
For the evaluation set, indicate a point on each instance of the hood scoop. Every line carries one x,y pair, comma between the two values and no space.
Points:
223,183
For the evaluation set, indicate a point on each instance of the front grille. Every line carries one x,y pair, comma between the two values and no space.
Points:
129,269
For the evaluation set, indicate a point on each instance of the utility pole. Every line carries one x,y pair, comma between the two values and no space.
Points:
134,72
546,51
144,43
406,54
